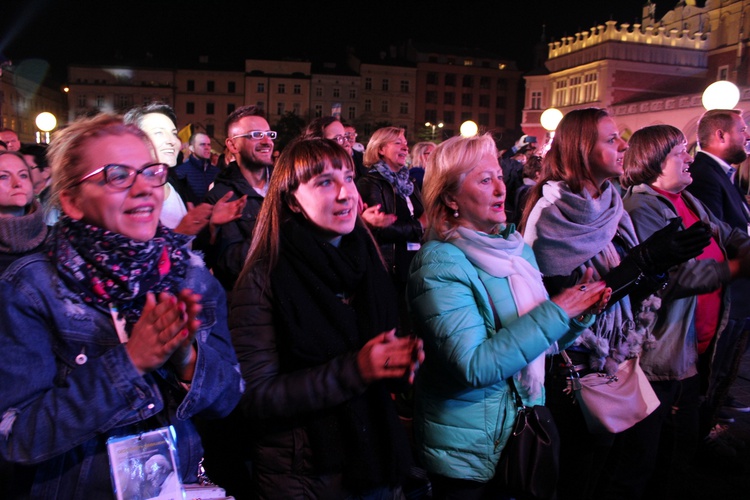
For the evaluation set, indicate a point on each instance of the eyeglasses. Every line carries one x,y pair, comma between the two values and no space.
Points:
257,134
123,176
350,136
339,138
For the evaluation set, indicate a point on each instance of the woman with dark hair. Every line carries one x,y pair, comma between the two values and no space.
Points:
695,305
115,330
575,221
313,320
22,227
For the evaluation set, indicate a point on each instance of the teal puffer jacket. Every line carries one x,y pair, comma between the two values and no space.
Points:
463,409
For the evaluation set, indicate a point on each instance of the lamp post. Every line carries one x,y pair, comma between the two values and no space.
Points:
468,129
721,95
550,119
45,122
433,126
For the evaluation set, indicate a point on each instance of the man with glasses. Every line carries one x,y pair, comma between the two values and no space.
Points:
250,140
357,154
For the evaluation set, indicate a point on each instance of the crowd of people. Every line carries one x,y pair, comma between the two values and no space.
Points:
336,323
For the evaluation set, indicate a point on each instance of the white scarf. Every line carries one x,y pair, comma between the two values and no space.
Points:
501,256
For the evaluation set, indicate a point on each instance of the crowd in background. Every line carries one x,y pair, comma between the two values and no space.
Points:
338,320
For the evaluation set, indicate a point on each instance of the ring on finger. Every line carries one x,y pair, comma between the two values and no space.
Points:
583,288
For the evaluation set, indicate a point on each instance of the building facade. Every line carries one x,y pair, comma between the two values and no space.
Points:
648,73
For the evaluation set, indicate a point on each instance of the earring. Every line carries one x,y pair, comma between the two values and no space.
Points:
455,213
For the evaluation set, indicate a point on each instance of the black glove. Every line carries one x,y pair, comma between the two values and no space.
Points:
644,268
669,247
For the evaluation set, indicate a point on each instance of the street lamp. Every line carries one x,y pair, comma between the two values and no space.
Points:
721,95
550,119
46,122
468,129
433,126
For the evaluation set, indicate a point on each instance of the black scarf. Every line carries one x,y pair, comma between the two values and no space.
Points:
107,268
331,301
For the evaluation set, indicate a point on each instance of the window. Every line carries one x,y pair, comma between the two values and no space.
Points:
296,108
449,98
468,81
352,93
336,92
280,108
723,73
465,116
261,105
499,120
318,91
281,89
231,87
431,97
82,101
230,108
484,119
209,108
559,98
449,117
430,115
297,89
100,101
468,62
404,85
502,84
500,102
351,113
466,100
404,108
590,88
261,88
383,106
385,85
574,90
210,130
318,110
191,85
368,105
450,80
210,86
368,83
484,82
536,99
432,78
484,101
123,101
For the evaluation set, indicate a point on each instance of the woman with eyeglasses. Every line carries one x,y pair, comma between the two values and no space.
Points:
389,186
22,227
114,330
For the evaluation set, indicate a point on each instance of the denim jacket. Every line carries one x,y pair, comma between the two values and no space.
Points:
67,385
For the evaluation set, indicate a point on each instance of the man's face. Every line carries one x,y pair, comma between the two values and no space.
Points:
10,139
201,146
250,153
736,137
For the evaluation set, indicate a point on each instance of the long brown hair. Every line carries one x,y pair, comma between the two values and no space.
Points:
300,161
568,158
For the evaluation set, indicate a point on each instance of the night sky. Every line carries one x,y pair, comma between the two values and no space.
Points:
85,31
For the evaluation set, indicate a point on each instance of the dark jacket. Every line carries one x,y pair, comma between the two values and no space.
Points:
198,175
227,256
376,190
713,188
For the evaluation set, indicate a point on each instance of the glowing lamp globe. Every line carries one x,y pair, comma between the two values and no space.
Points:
721,95
550,118
46,121
468,129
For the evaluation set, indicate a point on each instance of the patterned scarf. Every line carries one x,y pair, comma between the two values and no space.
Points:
399,180
108,268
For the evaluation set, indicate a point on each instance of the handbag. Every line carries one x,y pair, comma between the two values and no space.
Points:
613,403
529,463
